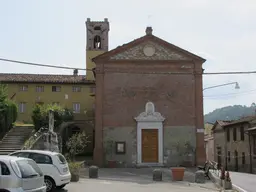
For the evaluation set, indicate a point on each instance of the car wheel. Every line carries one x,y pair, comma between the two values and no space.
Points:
60,187
49,183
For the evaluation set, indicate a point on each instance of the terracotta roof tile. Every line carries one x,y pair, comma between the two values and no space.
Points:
223,123
43,78
242,120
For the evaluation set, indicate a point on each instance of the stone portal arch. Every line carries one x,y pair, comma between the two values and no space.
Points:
146,121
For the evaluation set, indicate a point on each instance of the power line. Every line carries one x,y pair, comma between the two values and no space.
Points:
40,65
231,73
231,94
170,73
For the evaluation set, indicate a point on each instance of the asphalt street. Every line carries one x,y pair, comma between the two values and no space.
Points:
140,180
117,186
245,181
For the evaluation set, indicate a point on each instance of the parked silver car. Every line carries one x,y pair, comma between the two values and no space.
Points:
20,174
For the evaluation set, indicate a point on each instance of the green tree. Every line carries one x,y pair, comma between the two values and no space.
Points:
76,144
230,113
8,110
40,115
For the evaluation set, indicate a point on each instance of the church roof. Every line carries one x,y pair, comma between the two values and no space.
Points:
148,37
43,78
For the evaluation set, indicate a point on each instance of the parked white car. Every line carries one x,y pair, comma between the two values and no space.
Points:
53,165
20,175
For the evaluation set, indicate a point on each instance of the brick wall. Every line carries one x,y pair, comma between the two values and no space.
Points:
122,90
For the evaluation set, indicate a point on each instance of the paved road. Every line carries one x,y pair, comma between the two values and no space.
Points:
244,181
140,180
117,186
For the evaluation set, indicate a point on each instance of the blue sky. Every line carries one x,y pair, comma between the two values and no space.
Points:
53,32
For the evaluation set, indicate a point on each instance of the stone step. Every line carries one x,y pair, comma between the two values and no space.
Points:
13,139
18,129
18,133
6,152
10,145
16,137
10,148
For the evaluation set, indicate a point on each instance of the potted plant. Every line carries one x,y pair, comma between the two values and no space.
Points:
227,184
178,171
109,147
74,168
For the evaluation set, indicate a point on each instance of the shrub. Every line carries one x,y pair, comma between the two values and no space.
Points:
40,115
76,144
74,167
8,110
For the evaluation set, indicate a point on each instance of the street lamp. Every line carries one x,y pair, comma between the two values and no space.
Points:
232,83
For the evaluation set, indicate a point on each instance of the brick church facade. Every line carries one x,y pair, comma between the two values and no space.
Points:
149,103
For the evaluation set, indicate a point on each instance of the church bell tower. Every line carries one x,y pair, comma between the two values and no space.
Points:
96,42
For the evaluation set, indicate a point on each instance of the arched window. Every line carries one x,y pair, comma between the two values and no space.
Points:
97,28
97,42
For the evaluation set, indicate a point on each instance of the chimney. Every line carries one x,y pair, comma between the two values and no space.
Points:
75,73
149,31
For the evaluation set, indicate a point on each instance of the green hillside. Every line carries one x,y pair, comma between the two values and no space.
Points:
230,113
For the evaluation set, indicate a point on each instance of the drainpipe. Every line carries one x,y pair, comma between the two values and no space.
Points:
250,151
195,121
226,160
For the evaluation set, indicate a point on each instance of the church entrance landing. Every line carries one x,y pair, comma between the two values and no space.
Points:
150,136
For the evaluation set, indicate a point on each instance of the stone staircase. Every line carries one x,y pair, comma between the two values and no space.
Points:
15,139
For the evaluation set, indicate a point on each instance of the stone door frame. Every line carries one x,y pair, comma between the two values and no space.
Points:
149,119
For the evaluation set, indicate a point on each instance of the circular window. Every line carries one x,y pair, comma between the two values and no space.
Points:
149,50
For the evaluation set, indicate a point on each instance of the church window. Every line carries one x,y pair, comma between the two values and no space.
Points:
97,28
97,42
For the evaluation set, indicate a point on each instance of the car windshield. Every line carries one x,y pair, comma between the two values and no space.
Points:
29,168
61,158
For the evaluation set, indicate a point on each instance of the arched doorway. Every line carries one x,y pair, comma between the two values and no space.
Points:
75,130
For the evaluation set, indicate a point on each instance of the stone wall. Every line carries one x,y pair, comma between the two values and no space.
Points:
241,146
121,134
42,144
209,148
219,142
172,136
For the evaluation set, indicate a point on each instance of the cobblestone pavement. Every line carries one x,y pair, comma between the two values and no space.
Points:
143,176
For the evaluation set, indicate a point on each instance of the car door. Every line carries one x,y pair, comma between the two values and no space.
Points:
5,176
44,162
